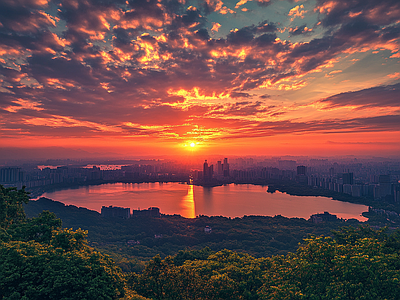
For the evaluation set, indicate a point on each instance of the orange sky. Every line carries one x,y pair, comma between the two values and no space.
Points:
278,77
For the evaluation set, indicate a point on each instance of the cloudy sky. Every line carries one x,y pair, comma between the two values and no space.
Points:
266,77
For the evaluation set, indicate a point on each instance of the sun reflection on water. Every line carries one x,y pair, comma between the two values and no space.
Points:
187,204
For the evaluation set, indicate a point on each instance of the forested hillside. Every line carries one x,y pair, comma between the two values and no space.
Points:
41,260
356,264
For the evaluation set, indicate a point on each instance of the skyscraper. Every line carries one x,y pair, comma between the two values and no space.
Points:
301,170
205,170
225,167
220,170
347,178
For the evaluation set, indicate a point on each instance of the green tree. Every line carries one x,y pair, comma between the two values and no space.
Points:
324,269
39,229
40,260
63,269
11,208
222,275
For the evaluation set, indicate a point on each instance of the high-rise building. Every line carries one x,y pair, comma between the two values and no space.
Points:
205,170
384,178
347,178
301,170
208,171
225,167
220,170
11,175
331,171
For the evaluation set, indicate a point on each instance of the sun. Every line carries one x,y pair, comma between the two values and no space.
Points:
191,146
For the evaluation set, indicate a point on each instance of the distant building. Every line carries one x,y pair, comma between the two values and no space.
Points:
225,167
356,190
11,175
348,178
384,178
220,171
208,171
301,170
207,229
325,217
287,164
118,212
150,212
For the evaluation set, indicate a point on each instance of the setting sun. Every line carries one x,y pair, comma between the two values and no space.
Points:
192,144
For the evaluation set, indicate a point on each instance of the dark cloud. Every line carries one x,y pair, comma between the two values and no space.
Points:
85,20
358,27
246,34
242,36
11,75
271,128
245,108
46,67
23,16
264,3
202,34
380,96
391,32
299,30
265,26
336,12
265,39
240,95
317,52
209,6
192,19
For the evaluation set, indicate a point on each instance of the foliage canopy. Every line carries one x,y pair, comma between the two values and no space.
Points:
41,260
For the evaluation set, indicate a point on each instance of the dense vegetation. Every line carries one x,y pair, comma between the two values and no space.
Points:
41,260
356,264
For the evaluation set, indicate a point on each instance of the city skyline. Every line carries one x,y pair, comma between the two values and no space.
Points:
144,78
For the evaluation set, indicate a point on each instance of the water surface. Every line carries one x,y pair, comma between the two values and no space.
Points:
190,201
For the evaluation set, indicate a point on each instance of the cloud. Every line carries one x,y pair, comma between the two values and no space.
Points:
215,26
380,96
210,6
264,2
134,67
336,12
298,30
297,12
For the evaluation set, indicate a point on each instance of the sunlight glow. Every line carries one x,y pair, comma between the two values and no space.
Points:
187,204
190,145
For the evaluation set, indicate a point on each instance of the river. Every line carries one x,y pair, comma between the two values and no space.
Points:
233,200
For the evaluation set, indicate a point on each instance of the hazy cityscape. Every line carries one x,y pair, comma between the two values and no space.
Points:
374,178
